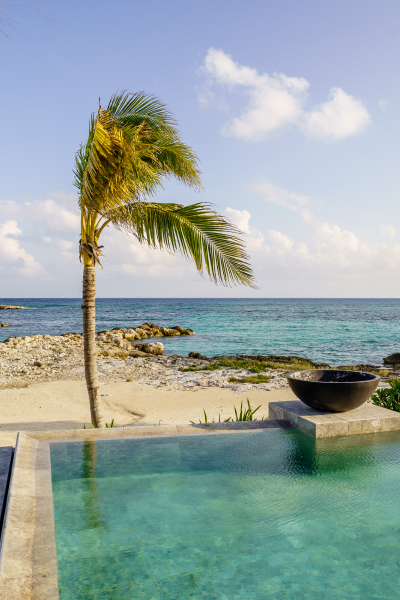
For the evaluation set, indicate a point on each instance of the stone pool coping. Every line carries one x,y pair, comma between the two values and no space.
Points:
28,552
367,418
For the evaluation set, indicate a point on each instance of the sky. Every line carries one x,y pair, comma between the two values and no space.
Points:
292,108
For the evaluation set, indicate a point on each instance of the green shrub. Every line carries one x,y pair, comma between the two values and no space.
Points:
388,398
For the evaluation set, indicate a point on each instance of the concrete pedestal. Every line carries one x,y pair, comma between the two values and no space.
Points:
368,418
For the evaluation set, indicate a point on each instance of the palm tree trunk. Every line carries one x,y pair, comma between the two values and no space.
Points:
89,343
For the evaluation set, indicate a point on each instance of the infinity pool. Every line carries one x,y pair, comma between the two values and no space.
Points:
271,514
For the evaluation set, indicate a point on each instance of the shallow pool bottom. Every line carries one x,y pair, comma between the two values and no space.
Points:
253,515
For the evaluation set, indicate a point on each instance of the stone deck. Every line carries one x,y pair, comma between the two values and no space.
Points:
368,418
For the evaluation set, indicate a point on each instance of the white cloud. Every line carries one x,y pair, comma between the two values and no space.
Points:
141,260
58,218
338,118
240,218
277,101
253,237
388,231
9,228
329,252
47,240
294,202
280,243
11,252
65,245
54,216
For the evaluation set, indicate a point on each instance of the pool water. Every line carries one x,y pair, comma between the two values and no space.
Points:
254,515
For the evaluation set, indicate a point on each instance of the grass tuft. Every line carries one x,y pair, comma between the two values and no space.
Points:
244,414
251,379
254,366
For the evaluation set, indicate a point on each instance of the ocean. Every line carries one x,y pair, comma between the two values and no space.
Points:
336,331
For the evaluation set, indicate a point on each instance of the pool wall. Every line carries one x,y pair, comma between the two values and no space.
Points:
28,556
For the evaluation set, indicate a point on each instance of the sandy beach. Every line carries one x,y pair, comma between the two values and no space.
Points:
64,405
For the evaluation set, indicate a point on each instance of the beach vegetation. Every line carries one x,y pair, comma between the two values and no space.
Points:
242,414
253,366
246,414
213,419
133,145
388,398
251,379
94,426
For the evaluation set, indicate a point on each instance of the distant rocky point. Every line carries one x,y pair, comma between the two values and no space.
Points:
9,307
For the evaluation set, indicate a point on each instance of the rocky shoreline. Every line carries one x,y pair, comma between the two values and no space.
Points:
38,358
33,359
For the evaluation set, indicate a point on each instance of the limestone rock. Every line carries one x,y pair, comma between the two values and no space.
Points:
197,355
132,335
115,352
137,354
142,333
152,330
156,348
183,331
169,332
3,324
9,307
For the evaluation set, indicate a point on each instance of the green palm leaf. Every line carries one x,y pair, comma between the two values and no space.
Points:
196,231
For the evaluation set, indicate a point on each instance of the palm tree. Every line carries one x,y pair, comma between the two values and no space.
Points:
132,146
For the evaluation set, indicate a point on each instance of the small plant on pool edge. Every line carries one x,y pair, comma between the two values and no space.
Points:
245,414
388,398
95,426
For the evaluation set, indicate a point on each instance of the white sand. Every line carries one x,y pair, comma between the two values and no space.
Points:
64,405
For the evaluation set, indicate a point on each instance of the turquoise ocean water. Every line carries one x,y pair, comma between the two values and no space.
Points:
336,331
274,514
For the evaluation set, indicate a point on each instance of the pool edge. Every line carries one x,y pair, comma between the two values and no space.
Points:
28,554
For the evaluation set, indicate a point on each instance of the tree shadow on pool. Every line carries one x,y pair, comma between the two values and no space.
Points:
92,508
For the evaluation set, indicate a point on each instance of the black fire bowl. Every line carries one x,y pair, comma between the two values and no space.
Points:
332,391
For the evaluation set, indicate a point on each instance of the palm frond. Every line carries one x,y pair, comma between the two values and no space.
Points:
133,109
131,147
196,231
